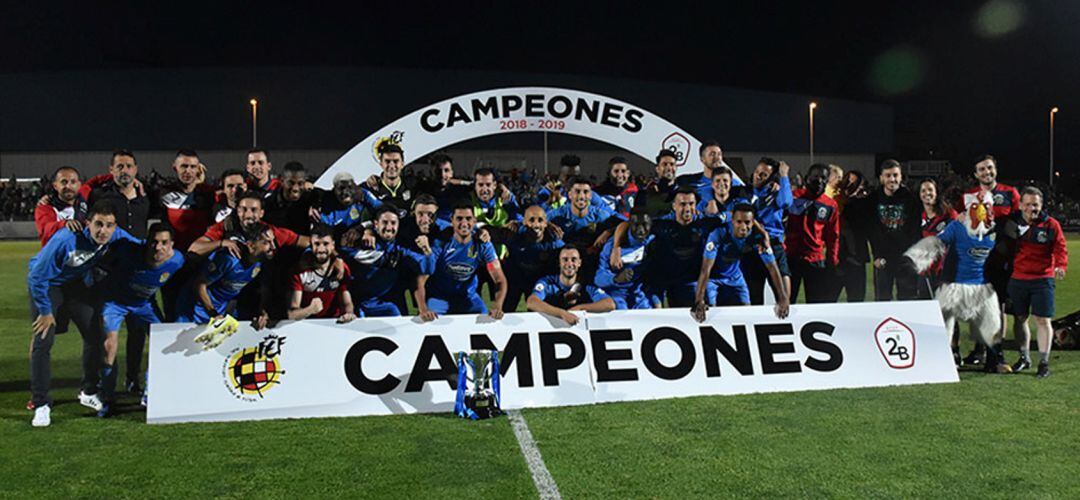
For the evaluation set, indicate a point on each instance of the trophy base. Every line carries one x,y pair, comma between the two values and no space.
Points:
483,405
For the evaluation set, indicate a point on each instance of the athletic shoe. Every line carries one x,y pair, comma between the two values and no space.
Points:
42,416
217,331
133,388
1044,371
975,358
1002,368
91,401
1021,364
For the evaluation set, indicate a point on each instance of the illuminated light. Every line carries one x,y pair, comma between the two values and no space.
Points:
897,71
813,105
254,102
1054,109
998,18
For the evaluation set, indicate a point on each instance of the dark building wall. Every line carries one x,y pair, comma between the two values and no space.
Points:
333,108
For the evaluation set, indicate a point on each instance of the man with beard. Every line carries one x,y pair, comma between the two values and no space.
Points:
121,190
224,274
556,194
712,158
248,215
723,197
892,218
452,272
135,273
292,206
585,224
387,268
813,238
258,170
557,295
532,246
56,283
999,266
233,186
622,272
618,191
423,222
63,208
391,187
444,188
726,247
493,204
674,257
656,197
315,292
770,194
344,209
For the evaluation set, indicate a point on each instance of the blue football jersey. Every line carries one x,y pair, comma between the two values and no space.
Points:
454,266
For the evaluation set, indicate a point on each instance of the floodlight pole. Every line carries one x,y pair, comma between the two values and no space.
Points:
1053,111
813,106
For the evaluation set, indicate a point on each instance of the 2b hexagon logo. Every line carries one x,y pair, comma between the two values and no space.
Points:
896,342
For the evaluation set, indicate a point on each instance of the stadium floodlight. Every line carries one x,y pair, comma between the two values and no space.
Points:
254,123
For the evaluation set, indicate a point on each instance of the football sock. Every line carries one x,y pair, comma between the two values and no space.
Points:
1044,357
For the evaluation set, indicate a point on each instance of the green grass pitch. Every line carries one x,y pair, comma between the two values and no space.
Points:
988,436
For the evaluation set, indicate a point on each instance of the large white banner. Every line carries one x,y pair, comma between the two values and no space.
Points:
384,366
520,109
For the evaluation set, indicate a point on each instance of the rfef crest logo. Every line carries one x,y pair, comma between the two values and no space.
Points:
394,138
678,144
251,372
896,342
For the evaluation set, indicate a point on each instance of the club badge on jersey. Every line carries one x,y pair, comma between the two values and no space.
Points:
483,398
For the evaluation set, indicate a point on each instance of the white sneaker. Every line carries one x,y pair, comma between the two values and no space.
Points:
42,416
91,401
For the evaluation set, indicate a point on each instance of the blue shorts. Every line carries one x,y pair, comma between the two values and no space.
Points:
113,314
468,303
1034,297
723,294
629,298
377,308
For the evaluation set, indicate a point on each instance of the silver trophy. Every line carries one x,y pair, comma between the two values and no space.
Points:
480,399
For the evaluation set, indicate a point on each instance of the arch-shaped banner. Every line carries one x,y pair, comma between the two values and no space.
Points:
520,109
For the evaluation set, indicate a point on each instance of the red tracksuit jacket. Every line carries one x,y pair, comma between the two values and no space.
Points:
1040,249
813,227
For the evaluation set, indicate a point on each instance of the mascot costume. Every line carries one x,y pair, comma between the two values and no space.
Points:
965,294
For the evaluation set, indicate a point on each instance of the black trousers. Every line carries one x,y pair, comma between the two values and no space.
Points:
76,302
137,333
894,273
852,279
819,279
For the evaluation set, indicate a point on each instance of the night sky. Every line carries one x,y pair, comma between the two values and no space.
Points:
964,78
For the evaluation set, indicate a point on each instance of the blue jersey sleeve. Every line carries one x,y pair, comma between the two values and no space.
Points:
712,243
540,289
767,256
121,235
218,266
369,200
596,294
487,253
948,236
784,198
47,265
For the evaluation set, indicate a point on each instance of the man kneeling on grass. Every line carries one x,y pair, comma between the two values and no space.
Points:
558,295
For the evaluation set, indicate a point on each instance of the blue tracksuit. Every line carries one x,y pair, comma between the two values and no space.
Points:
378,276
625,286
66,257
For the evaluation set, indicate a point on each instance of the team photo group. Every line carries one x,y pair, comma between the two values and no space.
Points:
261,244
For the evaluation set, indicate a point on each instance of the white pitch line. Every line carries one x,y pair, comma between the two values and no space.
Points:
545,484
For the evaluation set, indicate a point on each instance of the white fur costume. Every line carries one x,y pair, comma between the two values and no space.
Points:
976,304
